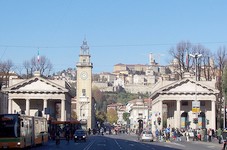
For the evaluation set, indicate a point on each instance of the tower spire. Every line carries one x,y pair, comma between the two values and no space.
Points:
84,48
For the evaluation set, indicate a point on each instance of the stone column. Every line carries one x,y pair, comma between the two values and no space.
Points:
161,113
213,116
178,119
62,110
28,107
10,106
44,106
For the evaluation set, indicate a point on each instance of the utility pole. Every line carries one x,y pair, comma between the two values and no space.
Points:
196,103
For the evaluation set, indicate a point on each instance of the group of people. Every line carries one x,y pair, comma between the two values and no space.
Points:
170,134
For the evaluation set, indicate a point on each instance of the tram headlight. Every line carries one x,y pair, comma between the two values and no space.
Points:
18,143
75,136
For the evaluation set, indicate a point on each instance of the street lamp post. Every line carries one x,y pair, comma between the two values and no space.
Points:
196,56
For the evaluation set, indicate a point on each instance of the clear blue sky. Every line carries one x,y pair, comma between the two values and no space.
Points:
117,31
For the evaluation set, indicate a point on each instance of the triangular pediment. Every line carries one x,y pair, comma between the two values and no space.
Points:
38,84
187,86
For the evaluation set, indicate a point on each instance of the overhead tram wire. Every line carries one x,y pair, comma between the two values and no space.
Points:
115,45
3,54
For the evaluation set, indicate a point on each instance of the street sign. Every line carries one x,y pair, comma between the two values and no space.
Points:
195,110
195,106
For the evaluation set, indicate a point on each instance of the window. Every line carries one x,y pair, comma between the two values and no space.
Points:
140,115
84,92
202,103
184,103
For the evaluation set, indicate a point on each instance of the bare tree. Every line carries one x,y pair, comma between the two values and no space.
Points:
43,65
220,59
203,64
180,53
5,68
28,68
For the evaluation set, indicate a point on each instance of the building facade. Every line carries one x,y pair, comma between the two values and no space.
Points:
139,112
38,96
179,96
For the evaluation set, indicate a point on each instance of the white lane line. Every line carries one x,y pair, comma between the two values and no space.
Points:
118,144
101,144
177,144
89,145
167,145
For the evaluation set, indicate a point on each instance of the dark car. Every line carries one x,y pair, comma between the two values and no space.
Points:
80,135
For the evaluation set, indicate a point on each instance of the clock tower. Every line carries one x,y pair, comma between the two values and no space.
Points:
84,103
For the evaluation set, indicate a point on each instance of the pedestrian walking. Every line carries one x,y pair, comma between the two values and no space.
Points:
219,135
187,135
209,135
195,135
178,135
205,135
157,135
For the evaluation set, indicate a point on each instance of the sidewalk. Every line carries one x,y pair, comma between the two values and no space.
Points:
214,142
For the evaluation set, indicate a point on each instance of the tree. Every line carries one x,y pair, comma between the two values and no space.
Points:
5,68
203,64
112,116
101,117
224,89
220,60
100,99
43,65
126,117
180,53
184,63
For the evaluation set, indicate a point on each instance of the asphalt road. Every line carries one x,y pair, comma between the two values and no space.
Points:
125,142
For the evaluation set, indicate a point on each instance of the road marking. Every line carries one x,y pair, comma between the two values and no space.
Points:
118,144
167,145
212,147
89,145
177,144
101,144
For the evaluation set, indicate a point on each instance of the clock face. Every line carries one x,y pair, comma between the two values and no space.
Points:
83,75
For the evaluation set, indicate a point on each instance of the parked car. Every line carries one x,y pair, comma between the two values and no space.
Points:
80,135
146,136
